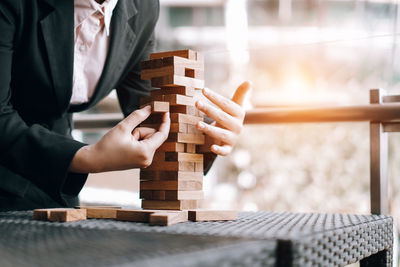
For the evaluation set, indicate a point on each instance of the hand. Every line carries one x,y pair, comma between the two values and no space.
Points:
124,146
224,132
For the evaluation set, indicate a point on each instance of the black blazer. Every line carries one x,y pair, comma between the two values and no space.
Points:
36,69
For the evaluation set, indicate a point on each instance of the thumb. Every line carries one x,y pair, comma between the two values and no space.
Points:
136,117
241,93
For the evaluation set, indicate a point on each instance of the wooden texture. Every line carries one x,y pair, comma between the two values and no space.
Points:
159,106
179,90
101,213
170,175
183,118
172,147
190,148
169,205
189,110
378,161
98,207
186,53
176,80
171,185
197,139
212,215
136,215
391,127
67,215
168,218
390,98
44,214
179,100
171,166
148,74
177,156
184,195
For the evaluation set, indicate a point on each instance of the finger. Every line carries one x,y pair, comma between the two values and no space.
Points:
143,132
218,134
223,150
241,93
136,117
220,117
223,103
159,137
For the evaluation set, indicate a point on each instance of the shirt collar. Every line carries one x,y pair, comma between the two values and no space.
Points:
86,8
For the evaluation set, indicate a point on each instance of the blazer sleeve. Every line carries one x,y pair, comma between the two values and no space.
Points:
35,153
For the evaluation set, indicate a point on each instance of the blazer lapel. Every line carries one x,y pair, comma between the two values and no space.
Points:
58,34
121,43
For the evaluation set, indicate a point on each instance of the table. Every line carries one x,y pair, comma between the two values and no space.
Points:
255,239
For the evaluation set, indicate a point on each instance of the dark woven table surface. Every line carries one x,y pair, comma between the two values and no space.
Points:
255,239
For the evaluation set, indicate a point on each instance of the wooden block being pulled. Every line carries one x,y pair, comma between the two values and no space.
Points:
179,100
171,185
186,53
169,205
179,90
183,195
168,218
172,147
67,215
212,215
183,118
178,156
170,175
197,139
159,106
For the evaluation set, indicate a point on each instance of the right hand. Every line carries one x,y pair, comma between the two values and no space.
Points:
124,146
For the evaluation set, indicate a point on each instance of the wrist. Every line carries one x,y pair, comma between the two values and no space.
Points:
86,160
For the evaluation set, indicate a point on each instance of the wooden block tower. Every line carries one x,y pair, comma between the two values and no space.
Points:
174,181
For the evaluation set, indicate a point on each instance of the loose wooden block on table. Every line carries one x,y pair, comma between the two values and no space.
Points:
101,213
170,175
169,205
197,139
43,214
139,215
67,215
171,185
212,215
168,218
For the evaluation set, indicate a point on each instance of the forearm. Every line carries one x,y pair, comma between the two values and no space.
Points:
85,161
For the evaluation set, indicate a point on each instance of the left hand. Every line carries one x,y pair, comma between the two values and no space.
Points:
228,116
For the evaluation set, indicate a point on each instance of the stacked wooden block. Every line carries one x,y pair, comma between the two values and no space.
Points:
174,180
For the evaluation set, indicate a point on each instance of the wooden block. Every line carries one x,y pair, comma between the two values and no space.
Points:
176,80
212,215
194,73
179,90
146,194
189,110
67,215
174,127
186,138
183,118
152,194
170,175
187,53
159,106
171,185
190,148
179,156
98,207
199,167
179,100
152,64
147,74
168,218
169,204
158,195
172,166
154,118
172,147
136,215
183,195
101,213
44,214
147,100
193,129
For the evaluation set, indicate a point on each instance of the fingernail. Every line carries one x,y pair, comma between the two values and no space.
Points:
206,90
199,104
201,125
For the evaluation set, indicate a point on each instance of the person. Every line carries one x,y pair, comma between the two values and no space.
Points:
63,56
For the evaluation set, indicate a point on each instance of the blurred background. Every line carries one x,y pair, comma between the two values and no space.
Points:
296,53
